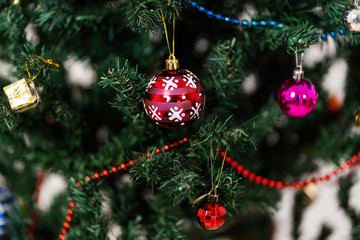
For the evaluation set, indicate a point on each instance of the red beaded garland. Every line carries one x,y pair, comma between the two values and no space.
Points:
211,216
293,185
174,98
106,173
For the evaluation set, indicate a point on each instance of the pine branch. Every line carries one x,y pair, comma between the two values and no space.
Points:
226,65
146,15
129,86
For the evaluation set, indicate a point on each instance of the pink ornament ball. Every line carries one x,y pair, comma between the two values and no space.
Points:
297,97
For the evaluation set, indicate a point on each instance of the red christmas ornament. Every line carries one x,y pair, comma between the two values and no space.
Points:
211,215
174,97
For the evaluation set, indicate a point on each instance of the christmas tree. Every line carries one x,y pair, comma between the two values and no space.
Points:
137,119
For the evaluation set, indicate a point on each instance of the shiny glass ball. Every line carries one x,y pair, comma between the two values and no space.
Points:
174,98
357,118
211,216
351,18
297,97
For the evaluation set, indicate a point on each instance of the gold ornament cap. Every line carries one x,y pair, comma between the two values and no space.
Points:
172,64
213,198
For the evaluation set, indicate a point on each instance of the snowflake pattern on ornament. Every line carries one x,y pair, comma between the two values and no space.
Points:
189,79
170,84
167,97
196,111
152,81
176,114
152,111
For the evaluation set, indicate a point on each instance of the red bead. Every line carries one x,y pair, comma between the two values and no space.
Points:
68,218
61,237
185,139
239,169
174,98
64,231
335,172
251,176
321,179
132,163
96,175
222,154
70,212
148,155
211,215
114,169
300,184
71,204
264,182
123,166
245,173
278,185
355,159
314,181
327,176
257,179
341,168
285,185
234,164
228,159
66,225
348,163
157,151
87,178
106,173
271,183
78,183
175,144
307,183
293,185
166,147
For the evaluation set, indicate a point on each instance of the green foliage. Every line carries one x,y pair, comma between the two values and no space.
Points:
129,86
226,65
146,15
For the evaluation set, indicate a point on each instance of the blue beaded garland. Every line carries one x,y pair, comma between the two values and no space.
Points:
263,23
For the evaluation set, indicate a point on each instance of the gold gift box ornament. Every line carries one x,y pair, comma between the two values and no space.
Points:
22,95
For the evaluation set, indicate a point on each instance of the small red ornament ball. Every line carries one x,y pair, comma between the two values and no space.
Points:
174,98
211,216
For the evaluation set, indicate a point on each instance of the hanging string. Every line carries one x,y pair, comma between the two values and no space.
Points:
46,61
211,166
171,53
213,189
173,42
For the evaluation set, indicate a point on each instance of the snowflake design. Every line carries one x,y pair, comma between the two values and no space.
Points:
167,97
152,81
152,112
189,79
170,83
176,114
196,111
